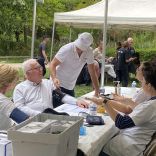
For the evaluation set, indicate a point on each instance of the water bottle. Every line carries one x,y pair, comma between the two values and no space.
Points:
118,88
93,109
133,86
82,131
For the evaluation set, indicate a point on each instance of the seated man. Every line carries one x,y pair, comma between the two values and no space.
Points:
34,95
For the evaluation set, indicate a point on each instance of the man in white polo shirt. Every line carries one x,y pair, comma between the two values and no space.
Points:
69,61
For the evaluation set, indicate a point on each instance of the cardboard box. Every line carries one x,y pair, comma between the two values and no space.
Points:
46,134
5,146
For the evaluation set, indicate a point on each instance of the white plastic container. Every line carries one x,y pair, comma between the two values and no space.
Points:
5,146
46,134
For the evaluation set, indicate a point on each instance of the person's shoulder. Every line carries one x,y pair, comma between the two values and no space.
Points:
66,48
2,96
22,84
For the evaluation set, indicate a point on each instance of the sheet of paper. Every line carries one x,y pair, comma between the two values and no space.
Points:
71,109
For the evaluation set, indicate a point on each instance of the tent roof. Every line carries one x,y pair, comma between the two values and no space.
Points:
121,13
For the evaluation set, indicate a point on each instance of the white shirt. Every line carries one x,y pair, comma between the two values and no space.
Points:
132,141
33,99
140,96
71,64
6,107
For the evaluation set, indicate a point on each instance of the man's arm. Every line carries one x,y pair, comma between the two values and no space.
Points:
45,56
54,63
71,100
125,100
65,98
94,78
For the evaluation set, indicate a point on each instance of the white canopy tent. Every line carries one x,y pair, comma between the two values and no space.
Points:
137,14
122,13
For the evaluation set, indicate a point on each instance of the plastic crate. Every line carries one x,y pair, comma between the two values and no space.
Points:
46,134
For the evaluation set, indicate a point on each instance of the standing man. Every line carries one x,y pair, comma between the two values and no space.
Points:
132,54
69,61
42,49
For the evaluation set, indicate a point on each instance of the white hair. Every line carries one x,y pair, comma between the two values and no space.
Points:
28,64
130,39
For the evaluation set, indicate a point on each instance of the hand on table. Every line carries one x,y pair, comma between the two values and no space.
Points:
82,103
118,98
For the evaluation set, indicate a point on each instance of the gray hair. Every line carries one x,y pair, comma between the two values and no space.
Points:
28,64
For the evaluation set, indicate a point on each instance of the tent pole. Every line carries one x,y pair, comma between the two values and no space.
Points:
52,41
104,43
33,29
70,33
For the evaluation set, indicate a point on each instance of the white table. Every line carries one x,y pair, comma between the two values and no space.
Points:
97,136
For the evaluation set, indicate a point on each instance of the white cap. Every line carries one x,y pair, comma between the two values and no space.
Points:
84,41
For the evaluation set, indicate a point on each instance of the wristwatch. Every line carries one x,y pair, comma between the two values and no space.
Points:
105,101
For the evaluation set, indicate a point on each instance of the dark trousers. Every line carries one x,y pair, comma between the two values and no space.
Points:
122,76
69,92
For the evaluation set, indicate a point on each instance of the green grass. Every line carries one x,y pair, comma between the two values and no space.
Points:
82,89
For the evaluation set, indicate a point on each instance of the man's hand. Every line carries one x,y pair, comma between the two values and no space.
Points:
96,93
82,103
56,82
117,97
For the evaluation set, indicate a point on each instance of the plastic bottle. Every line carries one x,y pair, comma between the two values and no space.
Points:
82,130
118,88
93,109
133,86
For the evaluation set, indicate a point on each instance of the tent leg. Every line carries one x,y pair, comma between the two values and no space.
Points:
70,33
52,41
104,43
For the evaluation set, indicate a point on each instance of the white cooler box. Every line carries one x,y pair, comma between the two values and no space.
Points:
46,134
5,145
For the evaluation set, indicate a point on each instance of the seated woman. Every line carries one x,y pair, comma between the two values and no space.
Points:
8,77
136,127
140,95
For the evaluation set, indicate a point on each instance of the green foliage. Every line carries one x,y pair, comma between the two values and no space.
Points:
16,28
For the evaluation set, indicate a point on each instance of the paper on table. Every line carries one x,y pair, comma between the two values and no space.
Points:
71,109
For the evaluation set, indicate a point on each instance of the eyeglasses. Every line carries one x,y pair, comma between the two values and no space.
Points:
36,68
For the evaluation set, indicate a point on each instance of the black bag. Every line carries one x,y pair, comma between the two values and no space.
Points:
94,120
51,111
57,96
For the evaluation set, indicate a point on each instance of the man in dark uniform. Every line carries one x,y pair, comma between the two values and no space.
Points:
122,65
42,49
132,54
42,58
